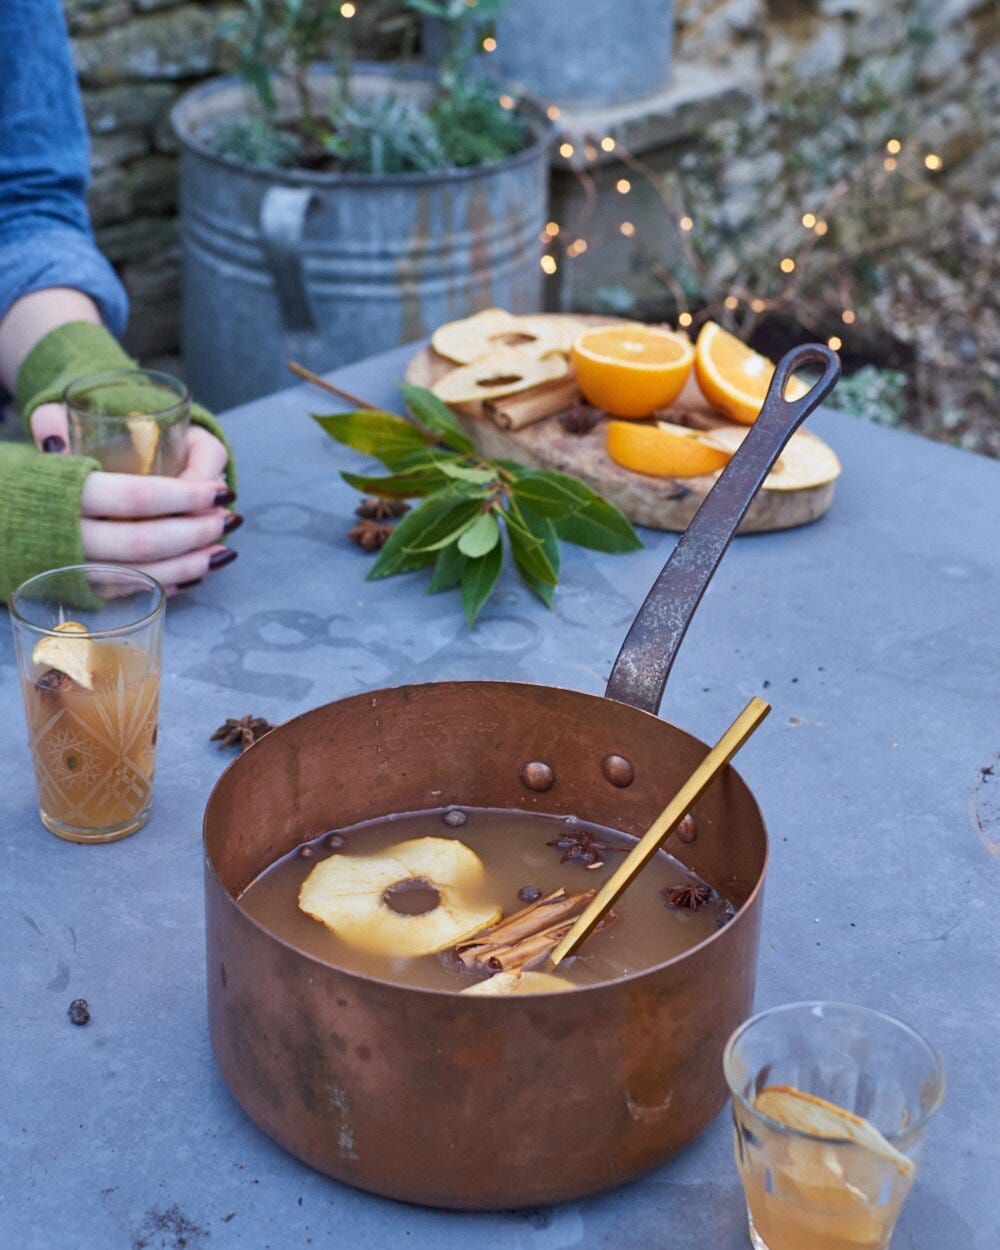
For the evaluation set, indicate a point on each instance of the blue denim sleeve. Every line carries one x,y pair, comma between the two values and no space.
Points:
45,233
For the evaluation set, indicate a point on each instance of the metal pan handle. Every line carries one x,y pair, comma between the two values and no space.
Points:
643,665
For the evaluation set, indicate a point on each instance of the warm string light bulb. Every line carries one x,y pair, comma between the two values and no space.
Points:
489,44
889,164
607,144
552,112
848,317
834,343
347,9
787,265
548,264
758,305
684,319
809,220
933,161
686,223
820,228
893,147
623,186
507,101
576,248
552,229
731,302
627,229
566,150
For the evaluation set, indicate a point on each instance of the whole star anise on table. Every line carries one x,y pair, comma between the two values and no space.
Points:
371,535
580,419
583,846
381,509
242,732
690,897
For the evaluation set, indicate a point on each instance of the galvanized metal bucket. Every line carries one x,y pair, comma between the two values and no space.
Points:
591,55
329,267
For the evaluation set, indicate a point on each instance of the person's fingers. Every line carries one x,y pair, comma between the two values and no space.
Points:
131,495
206,456
138,543
50,428
181,572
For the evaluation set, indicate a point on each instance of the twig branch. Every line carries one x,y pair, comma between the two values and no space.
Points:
302,372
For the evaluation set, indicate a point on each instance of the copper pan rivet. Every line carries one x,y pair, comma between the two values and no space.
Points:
618,770
687,830
537,776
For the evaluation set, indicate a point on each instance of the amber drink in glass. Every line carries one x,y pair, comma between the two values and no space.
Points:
88,642
830,1106
130,420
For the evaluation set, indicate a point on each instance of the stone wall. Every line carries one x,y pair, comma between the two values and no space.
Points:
815,91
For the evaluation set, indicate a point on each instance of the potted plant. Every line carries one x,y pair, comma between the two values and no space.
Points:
334,209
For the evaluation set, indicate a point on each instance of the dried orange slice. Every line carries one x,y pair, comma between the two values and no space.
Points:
816,1117
733,376
631,370
663,449
145,436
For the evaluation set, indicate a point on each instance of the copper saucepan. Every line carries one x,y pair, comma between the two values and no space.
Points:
483,1103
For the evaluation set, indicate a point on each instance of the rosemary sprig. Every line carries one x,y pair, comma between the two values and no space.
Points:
468,503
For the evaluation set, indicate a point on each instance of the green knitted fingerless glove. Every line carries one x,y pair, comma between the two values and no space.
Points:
80,347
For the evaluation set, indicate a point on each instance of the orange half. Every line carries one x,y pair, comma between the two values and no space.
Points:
630,370
663,450
733,377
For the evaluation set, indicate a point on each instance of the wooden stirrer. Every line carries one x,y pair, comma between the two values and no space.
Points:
647,846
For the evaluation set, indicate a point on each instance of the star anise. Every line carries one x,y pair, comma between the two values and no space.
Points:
381,509
690,897
579,419
371,535
584,847
243,732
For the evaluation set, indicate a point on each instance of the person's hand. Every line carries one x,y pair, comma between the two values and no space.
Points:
169,527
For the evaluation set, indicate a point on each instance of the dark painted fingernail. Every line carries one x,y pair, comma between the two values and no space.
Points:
223,498
188,585
221,558
232,523
54,442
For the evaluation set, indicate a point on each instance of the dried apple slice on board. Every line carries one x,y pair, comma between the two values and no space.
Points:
500,373
73,654
359,897
494,330
504,983
816,1117
805,460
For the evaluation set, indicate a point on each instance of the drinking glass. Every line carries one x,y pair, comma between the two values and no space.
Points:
88,640
130,420
827,1193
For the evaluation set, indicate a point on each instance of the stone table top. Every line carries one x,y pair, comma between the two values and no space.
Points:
873,633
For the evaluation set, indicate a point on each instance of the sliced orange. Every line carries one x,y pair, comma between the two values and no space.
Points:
664,450
733,376
630,370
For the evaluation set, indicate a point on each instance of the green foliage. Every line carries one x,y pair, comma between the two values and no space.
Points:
463,124
383,136
878,395
472,127
468,502
257,142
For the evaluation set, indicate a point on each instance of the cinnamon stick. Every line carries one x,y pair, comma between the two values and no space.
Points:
530,951
533,921
514,412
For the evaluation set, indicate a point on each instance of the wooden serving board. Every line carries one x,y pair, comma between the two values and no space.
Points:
658,502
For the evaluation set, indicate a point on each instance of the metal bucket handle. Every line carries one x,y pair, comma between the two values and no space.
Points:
647,655
283,213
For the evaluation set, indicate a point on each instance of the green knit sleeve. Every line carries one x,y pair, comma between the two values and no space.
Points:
40,512
80,347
